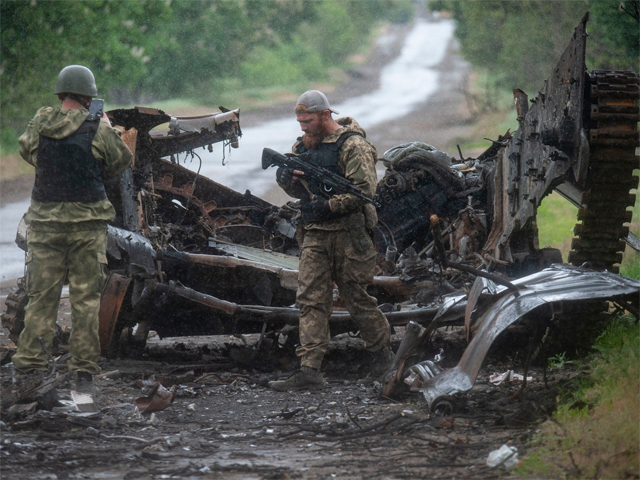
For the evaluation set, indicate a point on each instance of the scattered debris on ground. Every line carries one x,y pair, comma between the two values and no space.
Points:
198,313
223,420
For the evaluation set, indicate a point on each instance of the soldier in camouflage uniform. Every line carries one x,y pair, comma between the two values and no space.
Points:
68,217
337,245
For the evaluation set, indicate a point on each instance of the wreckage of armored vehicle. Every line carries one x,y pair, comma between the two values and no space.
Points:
189,256
577,137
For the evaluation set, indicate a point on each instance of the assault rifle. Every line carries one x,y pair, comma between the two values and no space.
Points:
331,183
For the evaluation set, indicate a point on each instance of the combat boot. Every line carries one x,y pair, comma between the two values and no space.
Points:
33,386
306,378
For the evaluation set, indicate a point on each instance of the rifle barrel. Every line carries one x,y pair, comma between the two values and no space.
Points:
340,184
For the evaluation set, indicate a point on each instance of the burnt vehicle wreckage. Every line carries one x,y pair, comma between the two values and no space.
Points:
457,240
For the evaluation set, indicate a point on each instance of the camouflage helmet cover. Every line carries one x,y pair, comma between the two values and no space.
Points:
76,79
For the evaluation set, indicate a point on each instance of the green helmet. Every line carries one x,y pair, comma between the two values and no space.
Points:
76,79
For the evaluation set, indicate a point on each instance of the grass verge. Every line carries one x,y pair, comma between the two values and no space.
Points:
556,219
597,428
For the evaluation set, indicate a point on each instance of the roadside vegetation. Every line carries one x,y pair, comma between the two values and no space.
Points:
518,43
595,429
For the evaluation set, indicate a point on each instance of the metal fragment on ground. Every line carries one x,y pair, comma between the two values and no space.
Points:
83,402
558,285
159,399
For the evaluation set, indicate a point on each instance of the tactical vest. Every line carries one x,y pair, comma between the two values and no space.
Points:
67,171
326,155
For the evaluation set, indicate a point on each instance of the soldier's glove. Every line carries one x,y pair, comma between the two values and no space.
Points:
321,208
284,177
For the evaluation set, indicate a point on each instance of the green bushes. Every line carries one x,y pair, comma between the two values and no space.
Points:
597,426
286,64
149,50
520,42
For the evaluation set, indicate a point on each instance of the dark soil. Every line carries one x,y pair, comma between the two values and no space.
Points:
225,423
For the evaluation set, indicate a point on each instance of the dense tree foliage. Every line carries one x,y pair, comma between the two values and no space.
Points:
518,42
150,49
39,38
615,35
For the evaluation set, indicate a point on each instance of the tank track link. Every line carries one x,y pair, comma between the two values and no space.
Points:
612,122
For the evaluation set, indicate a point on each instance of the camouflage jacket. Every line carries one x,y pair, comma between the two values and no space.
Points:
107,147
357,162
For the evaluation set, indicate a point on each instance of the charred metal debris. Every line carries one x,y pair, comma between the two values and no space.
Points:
457,239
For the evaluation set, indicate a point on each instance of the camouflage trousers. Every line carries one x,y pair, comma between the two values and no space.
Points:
79,256
348,259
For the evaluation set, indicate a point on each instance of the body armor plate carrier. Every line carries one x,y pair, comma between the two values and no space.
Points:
67,171
326,155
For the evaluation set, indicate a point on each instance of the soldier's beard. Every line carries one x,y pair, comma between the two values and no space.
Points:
313,139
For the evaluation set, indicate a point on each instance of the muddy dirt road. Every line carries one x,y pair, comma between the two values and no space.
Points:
225,423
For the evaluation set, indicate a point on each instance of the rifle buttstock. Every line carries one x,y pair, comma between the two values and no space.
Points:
269,157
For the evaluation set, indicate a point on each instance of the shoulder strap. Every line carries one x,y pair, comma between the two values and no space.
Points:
343,138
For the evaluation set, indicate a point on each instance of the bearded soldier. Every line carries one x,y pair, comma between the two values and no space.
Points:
72,151
337,246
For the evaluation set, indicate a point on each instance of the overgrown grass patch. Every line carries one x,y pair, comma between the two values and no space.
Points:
597,429
556,219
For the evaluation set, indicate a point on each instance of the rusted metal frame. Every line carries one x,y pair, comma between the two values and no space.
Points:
203,130
286,315
142,119
289,278
110,304
547,146
165,145
290,315
437,234
397,286
149,146
207,189
187,192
